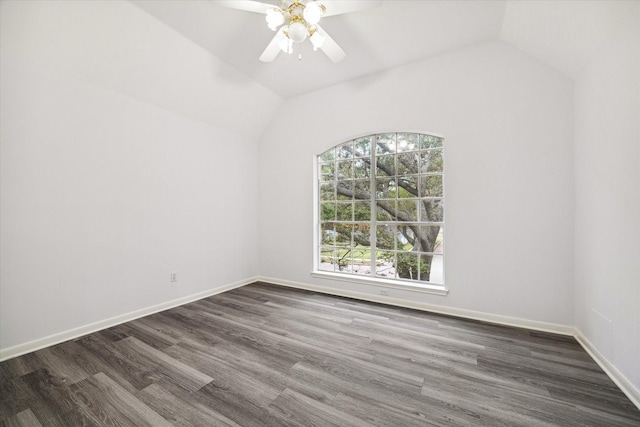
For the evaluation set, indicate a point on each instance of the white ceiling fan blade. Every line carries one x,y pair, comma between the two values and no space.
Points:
339,7
330,47
273,48
248,5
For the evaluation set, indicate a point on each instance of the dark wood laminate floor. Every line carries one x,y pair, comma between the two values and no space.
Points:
264,355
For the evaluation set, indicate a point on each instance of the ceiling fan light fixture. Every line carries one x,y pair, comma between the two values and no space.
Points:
313,12
297,32
274,18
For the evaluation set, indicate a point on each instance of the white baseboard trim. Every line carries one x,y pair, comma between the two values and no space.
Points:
28,347
451,311
616,376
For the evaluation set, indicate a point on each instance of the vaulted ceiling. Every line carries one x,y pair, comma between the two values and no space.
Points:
565,34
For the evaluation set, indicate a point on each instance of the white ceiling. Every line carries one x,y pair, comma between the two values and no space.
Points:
564,34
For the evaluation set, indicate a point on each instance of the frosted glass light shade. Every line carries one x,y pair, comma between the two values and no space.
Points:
274,18
312,13
297,32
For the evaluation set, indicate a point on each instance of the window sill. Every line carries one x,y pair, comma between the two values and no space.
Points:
386,283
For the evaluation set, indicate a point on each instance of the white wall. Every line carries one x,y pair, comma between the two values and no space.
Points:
103,194
115,44
607,230
507,122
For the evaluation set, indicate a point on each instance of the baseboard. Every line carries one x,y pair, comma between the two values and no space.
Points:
616,376
451,311
58,338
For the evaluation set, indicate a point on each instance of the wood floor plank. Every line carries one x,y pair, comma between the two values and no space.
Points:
170,369
25,418
66,361
47,396
231,403
295,409
438,411
19,366
491,410
267,355
380,415
103,402
147,334
131,373
257,389
180,412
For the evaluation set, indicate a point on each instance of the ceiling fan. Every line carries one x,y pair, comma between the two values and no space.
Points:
295,20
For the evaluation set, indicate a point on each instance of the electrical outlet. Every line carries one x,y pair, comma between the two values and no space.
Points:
384,292
174,276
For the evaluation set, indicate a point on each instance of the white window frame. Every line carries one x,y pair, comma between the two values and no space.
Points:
425,287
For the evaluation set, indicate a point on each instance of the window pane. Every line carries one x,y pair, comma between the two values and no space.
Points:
361,257
386,210
407,142
407,265
385,236
405,237
327,263
431,210
328,234
328,191
431,161
362,211
361,168
328,211
345,169
344,190
362,147
362,189
343,235
344,211
385,188
408,187
345,151
386,165
429,141
327,171
362,235
431,186
386,143
327,251
343,247
359,266
385,261
328,156
427,237
439,245
408,163
432,268
408,210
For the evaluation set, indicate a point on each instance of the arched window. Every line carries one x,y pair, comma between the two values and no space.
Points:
380,209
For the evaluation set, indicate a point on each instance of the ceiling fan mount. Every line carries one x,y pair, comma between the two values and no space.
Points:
295,20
